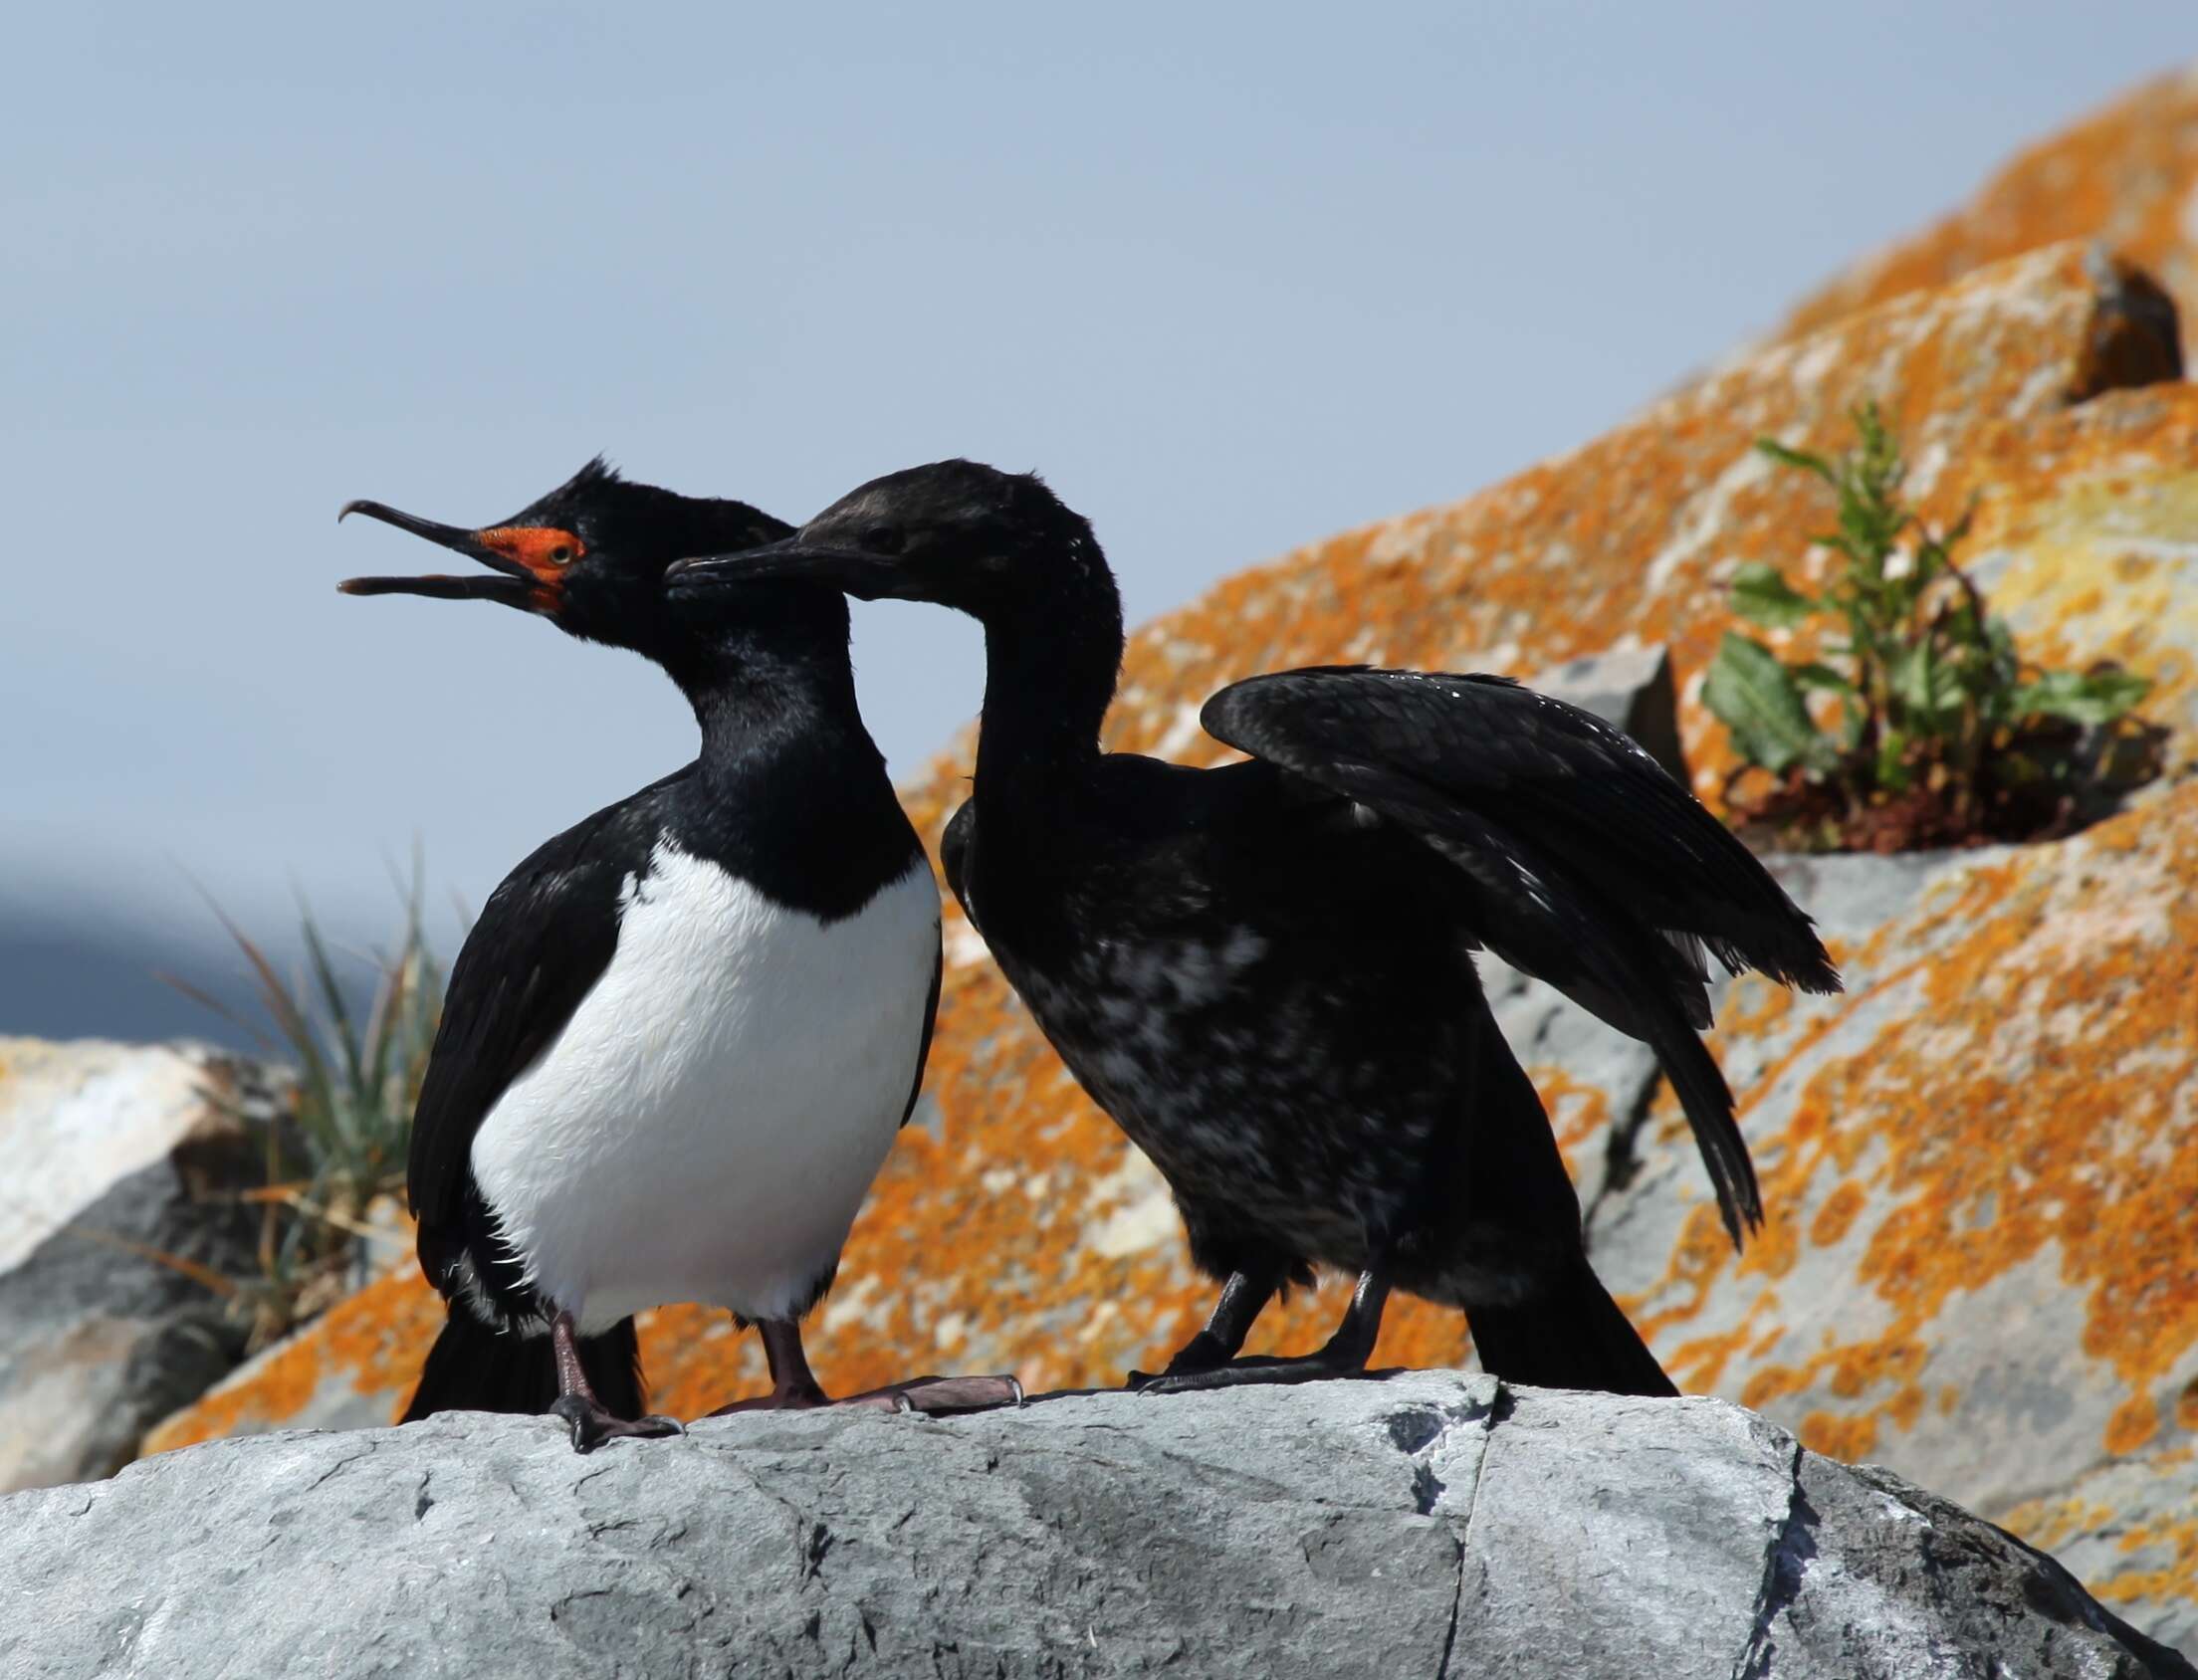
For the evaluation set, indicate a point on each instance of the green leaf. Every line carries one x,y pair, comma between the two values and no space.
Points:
1754,697
1892,759
1928,687
1853,716
1761,595
2098,697
1796,458
1820,677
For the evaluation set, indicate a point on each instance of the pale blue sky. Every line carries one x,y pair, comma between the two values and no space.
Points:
1232,277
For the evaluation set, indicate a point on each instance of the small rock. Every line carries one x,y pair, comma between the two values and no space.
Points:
1630,689
121,1166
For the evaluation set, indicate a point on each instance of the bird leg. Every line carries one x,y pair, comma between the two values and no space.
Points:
1244,1298
1344,1355
794,1388
591,1421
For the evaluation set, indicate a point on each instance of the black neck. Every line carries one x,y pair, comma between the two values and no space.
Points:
789,793
764,664
753,694
1050,668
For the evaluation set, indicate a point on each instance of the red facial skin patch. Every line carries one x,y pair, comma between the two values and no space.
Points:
542,549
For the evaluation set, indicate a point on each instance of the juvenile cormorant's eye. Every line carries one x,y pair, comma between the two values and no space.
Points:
885,539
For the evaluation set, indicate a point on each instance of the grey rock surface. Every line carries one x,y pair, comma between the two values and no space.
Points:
120,1164
1630,688
2129,1528
1430,1524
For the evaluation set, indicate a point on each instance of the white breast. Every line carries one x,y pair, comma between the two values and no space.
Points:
708,1123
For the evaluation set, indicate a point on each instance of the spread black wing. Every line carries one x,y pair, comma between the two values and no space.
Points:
542,940
1587,866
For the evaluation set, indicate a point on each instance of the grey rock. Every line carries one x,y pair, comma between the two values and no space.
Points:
1950,1582
2125,1527
1630,689
121,1166
1430,1524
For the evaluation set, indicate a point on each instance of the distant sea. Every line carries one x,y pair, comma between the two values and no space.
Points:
82,971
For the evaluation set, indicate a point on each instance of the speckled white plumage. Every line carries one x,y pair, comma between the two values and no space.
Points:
706,1125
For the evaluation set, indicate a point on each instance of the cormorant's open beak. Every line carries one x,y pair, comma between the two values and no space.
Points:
515,587
864,577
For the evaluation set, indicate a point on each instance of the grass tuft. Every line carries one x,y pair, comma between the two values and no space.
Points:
334,1163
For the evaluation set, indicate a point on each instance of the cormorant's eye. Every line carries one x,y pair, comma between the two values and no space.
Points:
885,539
561,554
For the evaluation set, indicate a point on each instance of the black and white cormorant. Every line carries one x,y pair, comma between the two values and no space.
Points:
1265,971
677,1042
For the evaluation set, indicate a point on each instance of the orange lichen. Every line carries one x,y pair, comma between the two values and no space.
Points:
2135,1421
2125,175
2178,1578
1770,1383
1577,1112
1851,1438
1838,1215
2049,1523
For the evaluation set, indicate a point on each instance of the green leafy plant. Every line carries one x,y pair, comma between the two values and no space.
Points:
335,1158
1942,733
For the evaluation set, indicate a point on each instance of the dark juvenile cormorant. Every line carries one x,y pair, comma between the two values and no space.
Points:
679,1040
1263,972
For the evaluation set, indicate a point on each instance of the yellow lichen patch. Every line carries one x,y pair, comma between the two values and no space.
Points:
2105,565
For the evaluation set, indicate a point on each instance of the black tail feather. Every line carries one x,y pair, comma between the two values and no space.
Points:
1572,1337
1699,1084
473,1368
